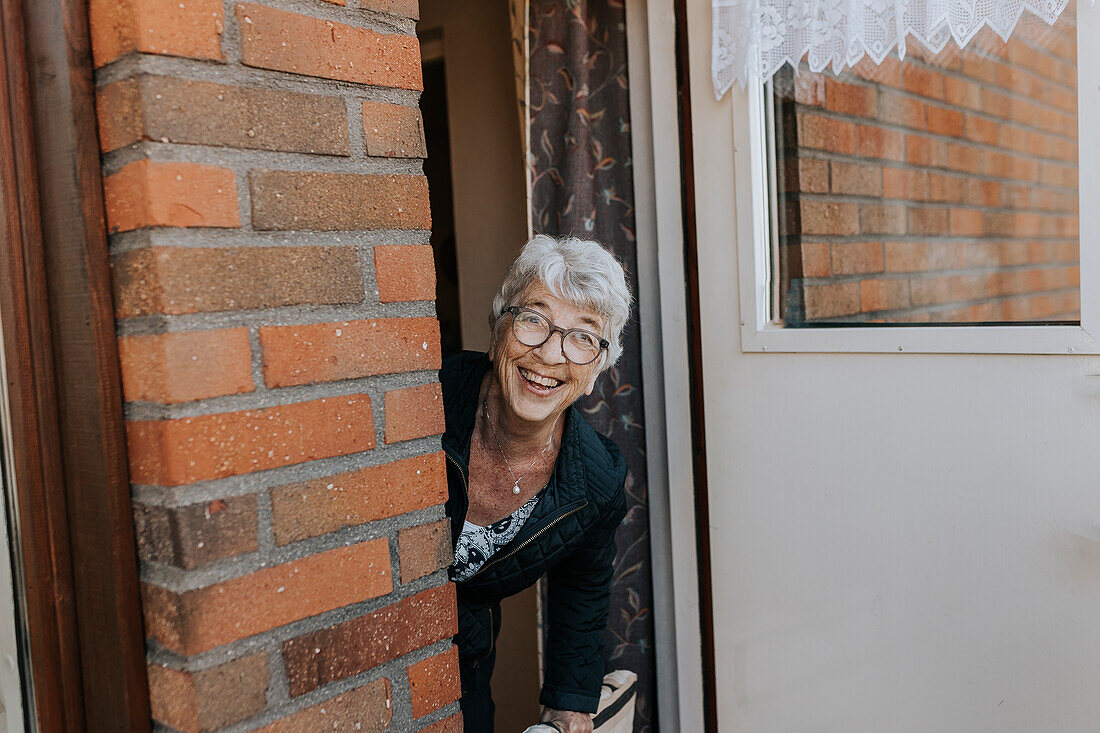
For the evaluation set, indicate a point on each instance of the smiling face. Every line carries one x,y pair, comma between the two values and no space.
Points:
538,382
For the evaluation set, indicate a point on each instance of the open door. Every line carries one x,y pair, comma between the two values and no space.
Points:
901,376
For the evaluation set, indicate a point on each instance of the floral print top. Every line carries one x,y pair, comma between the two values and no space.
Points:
477,544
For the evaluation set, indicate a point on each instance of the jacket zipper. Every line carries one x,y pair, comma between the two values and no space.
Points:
492,561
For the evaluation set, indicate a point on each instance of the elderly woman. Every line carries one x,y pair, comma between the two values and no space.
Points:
534,490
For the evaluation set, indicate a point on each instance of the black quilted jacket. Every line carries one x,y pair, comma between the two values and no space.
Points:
570,538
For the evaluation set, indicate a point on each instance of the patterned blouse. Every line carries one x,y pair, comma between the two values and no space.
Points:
476,543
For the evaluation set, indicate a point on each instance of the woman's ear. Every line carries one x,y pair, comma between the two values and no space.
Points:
592,384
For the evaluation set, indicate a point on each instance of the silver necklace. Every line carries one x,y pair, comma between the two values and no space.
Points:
496,439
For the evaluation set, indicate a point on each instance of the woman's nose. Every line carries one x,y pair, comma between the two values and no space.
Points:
551,351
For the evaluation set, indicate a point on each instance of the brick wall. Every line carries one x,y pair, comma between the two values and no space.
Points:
935,189
273,289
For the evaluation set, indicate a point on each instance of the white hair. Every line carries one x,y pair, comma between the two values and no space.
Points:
579,272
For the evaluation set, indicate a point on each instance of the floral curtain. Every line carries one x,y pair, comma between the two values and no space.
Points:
752,39
580,182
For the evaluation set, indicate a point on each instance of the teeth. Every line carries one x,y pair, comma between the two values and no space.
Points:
544,381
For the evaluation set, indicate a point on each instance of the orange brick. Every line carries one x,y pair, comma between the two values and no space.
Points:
180,367
929,291
826,133
149,194
323,352
962,93
881,219
857,257
424,549
434,682
202,619
191,28
966,222
981,130
452,724
810,175
878,142
414,412
855,179
944,121
393,130
324,505
851,99
899,109
880,295
927,220
952,189
921,150
922,81
404,8
285,41
809,89
404,272
965,158
366,709
179,451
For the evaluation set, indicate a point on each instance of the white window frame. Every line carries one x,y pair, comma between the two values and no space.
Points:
760,333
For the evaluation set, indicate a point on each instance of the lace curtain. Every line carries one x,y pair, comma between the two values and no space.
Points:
752,39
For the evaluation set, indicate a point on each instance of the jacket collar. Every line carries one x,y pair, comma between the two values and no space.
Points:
461,377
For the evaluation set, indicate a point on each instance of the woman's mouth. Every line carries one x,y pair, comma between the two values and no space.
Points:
538,383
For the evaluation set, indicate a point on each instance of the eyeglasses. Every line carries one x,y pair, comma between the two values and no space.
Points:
532,328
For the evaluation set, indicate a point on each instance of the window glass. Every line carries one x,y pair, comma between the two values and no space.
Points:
936,189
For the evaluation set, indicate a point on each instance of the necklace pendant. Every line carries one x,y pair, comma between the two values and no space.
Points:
515,489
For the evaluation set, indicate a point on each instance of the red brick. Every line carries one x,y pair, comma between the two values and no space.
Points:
857,257
177,280
824,301
189,28
211,698
962,93
339,652
185,366
414,412
878,142
810,175
922,81
393,130
920,150
366,709
324,505
323,352
179,451
926,220
423,549
897,109
202,619
965,158
855,179
929,291
966,222
288,200
851,99
190,536
404,272
881,219
828,217
944,121
952,189
981,130
826,133
434,682
880,295
149,194
809,89
907,256
905,183
167,109
285,41
815,259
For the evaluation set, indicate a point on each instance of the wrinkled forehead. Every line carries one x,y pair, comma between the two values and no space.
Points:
563,310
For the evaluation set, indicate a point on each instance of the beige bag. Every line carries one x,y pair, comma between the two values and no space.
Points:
616,711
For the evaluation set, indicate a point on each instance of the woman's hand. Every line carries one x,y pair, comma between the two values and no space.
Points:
567,720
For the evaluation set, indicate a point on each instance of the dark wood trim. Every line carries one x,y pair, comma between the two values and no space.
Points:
695,361
71,490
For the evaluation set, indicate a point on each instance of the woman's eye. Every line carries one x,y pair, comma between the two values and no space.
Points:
585,339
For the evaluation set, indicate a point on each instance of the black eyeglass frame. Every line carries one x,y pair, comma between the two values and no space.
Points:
515,310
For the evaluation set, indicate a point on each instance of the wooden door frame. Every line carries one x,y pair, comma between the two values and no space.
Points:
73,545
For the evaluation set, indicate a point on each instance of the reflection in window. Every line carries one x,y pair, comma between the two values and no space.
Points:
938,189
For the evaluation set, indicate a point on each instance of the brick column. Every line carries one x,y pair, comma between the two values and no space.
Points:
274,292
